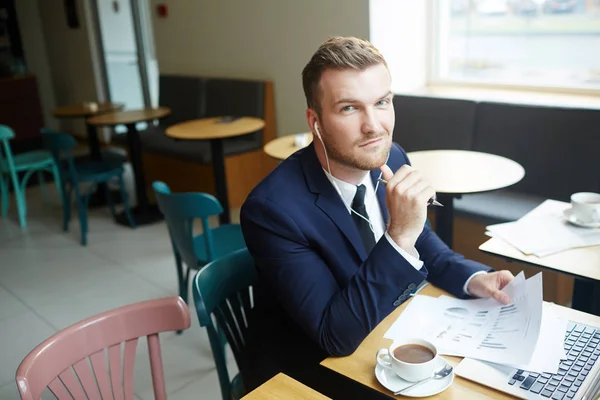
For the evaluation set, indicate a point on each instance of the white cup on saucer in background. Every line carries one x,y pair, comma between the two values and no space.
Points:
91,105
411,359
301,140
586,207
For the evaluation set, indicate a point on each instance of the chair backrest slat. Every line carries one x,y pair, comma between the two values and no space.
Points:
100,369
158,380
246,304
62,358
237,315
56,387
128,367
84,374
222,288
114,360
226,323
72,384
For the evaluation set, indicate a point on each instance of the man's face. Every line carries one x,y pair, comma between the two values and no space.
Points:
357,116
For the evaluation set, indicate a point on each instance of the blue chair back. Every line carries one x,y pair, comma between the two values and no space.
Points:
60,145
222,289
6,134
180,210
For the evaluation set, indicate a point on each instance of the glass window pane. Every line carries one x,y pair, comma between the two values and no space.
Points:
519,42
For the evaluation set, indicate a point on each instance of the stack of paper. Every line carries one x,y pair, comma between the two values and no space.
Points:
486,330
544,231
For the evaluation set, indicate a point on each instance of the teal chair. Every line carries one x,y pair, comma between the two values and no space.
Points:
91,173
30,163
222,289
180,211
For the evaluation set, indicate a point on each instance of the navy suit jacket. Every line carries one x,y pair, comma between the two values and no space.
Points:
312,263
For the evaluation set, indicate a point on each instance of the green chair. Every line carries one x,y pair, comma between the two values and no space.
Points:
30,163
90,173
180,210
222,289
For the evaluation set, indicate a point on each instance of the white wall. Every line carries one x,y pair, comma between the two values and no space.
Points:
399,30
69,57
36,56
259,39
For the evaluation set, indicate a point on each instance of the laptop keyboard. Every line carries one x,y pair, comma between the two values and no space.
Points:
582,350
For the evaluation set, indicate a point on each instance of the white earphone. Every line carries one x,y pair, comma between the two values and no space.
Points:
317,130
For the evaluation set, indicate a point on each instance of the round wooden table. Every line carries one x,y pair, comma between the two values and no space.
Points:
282,147
456,172
144,213
85,111
216,129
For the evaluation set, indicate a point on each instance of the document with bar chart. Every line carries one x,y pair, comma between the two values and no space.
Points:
481,328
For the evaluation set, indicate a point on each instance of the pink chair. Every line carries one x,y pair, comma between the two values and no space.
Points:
83,346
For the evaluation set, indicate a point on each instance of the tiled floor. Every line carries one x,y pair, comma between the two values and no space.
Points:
48,282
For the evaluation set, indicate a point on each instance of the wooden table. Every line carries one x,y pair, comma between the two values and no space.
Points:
282,386
143,213
583,264
284,146
360,366
216,129
85,110
456,172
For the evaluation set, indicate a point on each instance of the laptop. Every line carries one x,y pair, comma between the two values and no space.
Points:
578,377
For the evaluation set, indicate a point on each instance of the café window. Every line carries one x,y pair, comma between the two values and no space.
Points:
533,43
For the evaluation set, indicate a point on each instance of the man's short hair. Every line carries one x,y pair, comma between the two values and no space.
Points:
337,53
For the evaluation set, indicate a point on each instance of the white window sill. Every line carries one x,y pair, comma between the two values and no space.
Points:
514,96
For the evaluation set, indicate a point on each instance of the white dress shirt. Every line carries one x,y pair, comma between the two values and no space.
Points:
347,191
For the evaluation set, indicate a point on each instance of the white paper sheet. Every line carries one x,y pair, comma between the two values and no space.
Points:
482,328
544,231
549,348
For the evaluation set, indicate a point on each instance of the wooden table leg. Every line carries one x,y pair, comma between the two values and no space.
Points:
218,160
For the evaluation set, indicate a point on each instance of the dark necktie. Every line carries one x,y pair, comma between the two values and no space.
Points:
358,205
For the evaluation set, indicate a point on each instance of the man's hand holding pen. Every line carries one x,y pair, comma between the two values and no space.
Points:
407,197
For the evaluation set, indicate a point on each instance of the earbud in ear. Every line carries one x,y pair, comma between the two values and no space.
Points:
317,130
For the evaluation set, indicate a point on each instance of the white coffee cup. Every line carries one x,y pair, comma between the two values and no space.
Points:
586,207
409,371
301,140
91,105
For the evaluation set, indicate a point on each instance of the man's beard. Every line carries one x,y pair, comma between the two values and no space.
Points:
366,160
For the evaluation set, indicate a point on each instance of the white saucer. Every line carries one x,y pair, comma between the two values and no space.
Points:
393,382
569,216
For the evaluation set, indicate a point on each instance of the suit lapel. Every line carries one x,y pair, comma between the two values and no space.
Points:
329,201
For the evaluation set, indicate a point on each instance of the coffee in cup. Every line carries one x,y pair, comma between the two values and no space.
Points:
411,359
586,207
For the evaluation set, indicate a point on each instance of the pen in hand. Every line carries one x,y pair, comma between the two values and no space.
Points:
430,202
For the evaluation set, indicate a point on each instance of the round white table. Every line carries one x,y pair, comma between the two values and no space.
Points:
453,173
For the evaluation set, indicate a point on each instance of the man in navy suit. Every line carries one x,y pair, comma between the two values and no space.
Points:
337,251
